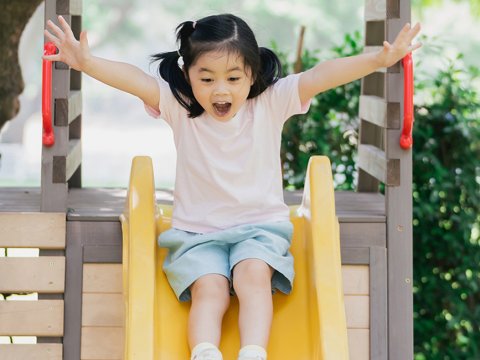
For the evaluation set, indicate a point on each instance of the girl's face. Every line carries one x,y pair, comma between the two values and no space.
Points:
220,83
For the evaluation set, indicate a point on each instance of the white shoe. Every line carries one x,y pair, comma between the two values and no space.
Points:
206,351
252,352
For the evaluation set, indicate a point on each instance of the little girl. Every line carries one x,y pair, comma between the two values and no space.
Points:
223,97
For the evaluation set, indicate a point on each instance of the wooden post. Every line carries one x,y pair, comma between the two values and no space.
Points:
298,67
381,159
61,162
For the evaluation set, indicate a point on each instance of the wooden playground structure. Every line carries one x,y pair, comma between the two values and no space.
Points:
85,272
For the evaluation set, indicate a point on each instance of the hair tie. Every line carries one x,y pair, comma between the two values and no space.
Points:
194,24
180,62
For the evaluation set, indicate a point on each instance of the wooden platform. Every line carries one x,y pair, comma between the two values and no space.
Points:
99,204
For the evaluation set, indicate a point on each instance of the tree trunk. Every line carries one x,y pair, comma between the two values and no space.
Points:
14,16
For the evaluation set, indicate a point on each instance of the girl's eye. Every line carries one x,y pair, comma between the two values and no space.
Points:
234,79
206,80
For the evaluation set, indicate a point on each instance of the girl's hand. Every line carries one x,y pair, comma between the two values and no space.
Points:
72,52
391,53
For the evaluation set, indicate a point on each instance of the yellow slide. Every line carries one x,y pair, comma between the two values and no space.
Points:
308,324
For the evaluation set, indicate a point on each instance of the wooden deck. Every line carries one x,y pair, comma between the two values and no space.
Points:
102,204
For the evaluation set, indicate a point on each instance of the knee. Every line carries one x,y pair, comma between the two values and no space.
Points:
212,288
252,273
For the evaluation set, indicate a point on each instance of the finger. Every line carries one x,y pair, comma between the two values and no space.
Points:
51,57
415,46
51,37
405,32
415,30
84,40
386,45
83,37
66,28
55,29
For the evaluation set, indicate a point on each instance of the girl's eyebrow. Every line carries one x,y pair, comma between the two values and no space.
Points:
235,68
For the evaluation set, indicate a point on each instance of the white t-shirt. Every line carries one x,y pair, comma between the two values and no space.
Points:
229,173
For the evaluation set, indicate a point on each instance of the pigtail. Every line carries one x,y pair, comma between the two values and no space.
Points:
270,72
172,69
184,31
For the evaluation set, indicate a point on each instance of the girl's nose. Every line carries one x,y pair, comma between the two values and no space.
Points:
220,89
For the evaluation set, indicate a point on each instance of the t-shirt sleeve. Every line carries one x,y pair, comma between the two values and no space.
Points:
170,110
284,98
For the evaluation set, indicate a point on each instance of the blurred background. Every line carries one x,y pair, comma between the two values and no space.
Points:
115,126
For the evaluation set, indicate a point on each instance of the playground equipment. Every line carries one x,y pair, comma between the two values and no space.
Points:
80,273
308,324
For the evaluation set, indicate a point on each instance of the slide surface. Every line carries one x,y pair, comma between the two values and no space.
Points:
308,324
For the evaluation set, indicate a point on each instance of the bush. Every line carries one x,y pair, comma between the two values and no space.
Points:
446,207
329,128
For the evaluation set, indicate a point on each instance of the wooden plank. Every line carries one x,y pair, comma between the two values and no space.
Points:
374,84
357,310
378,303
377,111
65,166
31,352
54,196
363,234
31,318
356,279
373,109
372,135
33,230
375,10
102,240
372,160
399,223
355,255
393,9
358,344
68,109
45,274
74,157
103,310
374,33
102,278
69,7
100,343
73,294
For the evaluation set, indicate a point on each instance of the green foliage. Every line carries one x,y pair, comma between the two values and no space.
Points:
329,128
474,5
446,197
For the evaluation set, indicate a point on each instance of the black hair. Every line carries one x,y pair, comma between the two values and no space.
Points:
224,32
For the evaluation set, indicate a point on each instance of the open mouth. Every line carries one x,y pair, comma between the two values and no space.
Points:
222,108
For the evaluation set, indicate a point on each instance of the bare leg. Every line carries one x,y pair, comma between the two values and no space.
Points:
210,301
252,283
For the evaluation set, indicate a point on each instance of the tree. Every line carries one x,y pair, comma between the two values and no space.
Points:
15,16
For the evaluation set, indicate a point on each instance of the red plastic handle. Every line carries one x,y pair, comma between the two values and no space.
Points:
406,139
48,137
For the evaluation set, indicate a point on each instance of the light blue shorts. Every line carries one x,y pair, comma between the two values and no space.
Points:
192,255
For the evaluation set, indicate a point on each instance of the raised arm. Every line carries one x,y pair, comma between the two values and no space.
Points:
332,73
120,75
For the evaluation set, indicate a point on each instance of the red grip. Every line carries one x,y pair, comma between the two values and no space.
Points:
48,137
406,139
